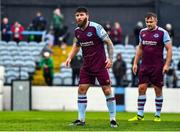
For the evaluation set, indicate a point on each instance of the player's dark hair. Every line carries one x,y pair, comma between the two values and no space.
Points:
150,14
82,9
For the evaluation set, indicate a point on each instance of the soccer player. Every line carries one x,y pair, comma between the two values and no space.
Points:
153,39
91,37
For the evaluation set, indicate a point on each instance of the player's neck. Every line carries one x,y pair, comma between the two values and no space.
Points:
154,28
85,26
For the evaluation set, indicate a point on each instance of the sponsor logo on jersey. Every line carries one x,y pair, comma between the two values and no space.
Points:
144,42
85,44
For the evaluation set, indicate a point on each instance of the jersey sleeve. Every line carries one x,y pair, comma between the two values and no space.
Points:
166,37
75,40
140,40
102,34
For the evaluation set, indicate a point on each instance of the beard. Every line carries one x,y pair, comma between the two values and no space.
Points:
83,23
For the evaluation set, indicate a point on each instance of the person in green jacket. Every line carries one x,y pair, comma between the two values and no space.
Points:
47,65
58,24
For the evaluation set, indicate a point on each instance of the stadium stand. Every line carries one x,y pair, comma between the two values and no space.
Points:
19,60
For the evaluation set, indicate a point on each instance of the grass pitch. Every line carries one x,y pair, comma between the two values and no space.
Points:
95,121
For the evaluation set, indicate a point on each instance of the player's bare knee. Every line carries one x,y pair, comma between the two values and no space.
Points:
106,90
82,91
142,90
158,93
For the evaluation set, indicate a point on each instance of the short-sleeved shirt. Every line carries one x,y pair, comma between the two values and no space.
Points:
91,42
153,45
152,56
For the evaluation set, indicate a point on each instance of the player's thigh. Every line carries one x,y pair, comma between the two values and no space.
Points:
85,77
157,77
143,76
103,77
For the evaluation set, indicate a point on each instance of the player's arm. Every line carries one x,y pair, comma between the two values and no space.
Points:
105,38
168,47
110,49
73,52
137,58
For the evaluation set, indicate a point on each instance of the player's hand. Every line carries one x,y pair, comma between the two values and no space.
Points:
67,63
108,63
165,69
134,69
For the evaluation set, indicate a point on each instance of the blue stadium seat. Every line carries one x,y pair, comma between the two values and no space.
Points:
57,80
12,43
3,43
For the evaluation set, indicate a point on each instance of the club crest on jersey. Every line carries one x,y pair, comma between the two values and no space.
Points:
89,34
143,35
156,35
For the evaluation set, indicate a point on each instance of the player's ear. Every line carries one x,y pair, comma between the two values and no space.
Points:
88,16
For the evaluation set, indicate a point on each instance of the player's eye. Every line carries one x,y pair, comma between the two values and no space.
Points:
149,21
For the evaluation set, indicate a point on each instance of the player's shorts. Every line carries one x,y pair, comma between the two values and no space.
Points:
87,77
151,75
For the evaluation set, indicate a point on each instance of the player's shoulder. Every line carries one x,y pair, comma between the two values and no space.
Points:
162,29
94,24
77,28
144,29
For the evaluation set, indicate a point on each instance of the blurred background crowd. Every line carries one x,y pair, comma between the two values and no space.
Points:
36,37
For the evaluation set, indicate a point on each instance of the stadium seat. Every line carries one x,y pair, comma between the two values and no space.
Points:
9,79
67,81
18,63
2,71
33,43
3,43
24,75
30,65
12,43
12,74
8,63
65,70
23,43
57,80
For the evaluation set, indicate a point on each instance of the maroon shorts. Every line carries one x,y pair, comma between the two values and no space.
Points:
87,77
151,75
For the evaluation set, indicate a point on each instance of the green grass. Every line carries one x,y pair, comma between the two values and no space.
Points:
95,121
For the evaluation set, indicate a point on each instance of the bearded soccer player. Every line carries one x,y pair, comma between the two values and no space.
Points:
153,39
91,37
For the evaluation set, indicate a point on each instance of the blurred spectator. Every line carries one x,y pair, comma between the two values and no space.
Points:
17,30
119,70
107,28
49,39
171,76
178,65
31,37
39,24
58,24
170,30
47,65
5,27
116,34
76,65
137,30
135,76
